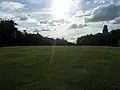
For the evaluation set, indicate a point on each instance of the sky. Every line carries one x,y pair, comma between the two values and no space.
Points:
67,19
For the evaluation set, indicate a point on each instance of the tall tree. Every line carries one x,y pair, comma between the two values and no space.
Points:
7,32
105,29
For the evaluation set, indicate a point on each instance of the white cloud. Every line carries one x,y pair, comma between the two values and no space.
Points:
11,6
116,21
36,12
40,15
29,23
77,26
4,15
34,1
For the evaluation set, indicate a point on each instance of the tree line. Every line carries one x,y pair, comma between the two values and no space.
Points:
105,38
11,36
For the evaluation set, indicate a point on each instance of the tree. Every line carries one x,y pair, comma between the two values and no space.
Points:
101,39
115,35
105,29
7,32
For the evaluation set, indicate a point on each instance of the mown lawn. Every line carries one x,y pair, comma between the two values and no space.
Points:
59,68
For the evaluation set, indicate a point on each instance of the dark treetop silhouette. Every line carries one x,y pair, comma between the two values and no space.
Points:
11,36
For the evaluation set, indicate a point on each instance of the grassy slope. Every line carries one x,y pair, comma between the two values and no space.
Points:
71,68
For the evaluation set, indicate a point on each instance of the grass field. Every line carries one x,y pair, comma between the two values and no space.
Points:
59,68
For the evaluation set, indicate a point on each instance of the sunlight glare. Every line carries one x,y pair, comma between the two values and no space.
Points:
60,8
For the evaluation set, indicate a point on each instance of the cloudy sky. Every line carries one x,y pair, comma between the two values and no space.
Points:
62,18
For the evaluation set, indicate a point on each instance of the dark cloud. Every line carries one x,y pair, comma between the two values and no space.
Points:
100,2
47,22
36,30
54,22
61,21
104,13
23,18
45,30
82,26
115,1
90,4
44,22
75,26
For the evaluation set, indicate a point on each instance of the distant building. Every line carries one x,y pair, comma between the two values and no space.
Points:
105,29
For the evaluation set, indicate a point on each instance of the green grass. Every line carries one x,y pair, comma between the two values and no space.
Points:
59,68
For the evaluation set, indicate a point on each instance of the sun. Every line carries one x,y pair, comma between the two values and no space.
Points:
60,8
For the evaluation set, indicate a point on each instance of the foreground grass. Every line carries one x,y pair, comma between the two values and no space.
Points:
59,68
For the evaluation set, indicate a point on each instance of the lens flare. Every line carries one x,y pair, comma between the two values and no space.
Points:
60,8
